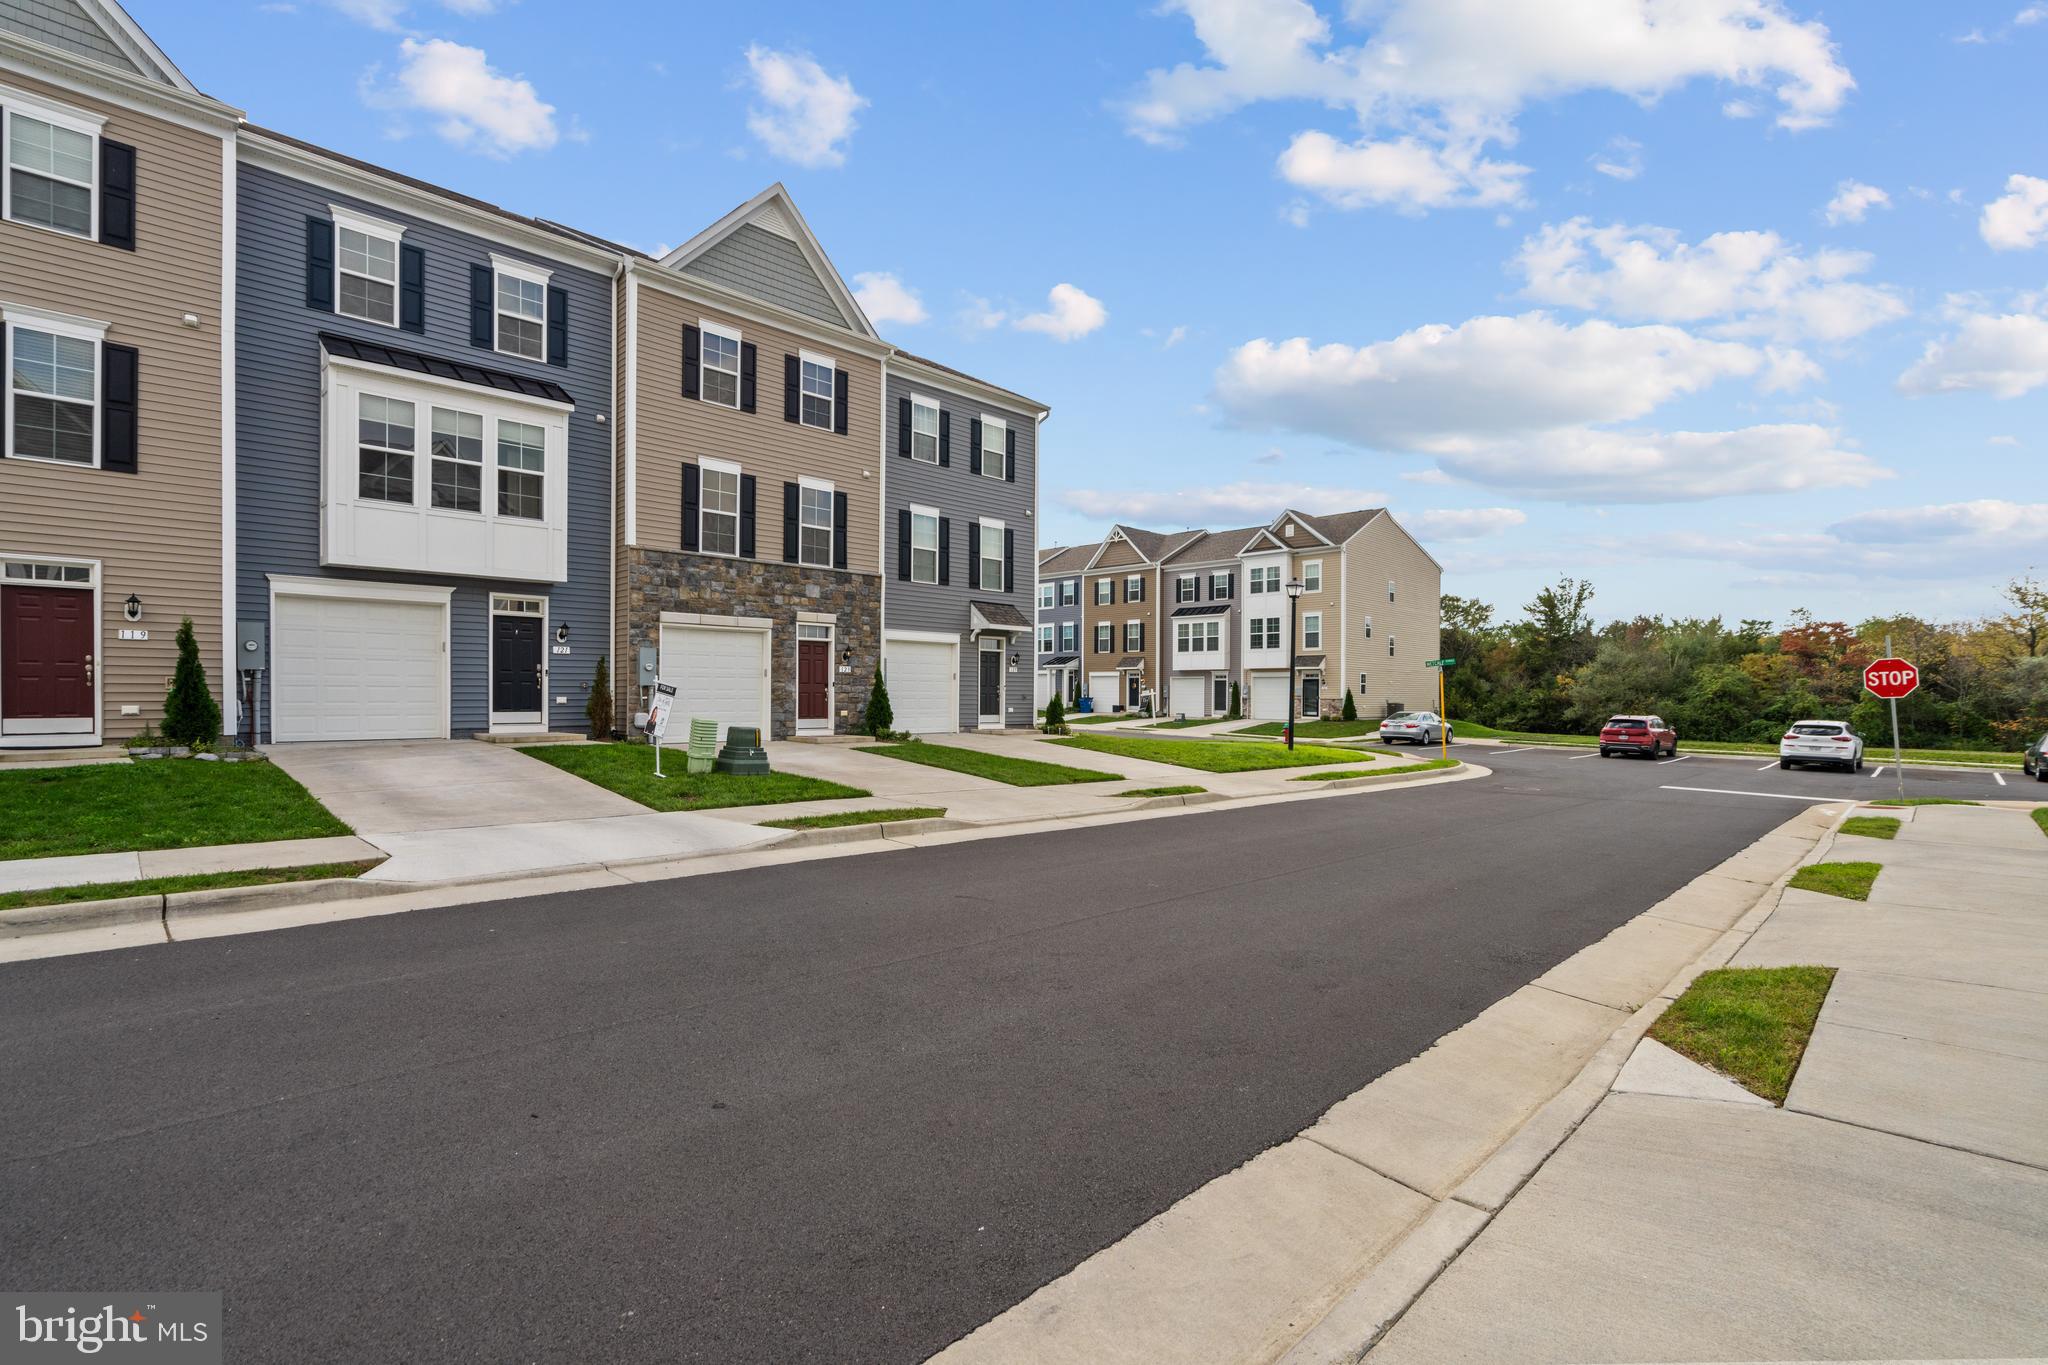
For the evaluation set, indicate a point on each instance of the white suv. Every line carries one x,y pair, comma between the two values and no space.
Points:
1821,741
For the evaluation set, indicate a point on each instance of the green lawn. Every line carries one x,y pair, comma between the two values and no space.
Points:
1316,729
2040,814
1209,755
858,817
1749,1023
1850,881
1432,765
1921,801
1076,718
159,803
1186,723
1159,791
628,769
1871,826
1977,758
198,881
1016,772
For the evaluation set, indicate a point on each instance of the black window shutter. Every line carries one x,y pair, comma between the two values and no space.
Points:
1198,588
1010,454
558,326
746,376
792,387
903,544
320,264
1009,560
840,503
483,329
1230,583
412,289
119,404
1141,637
790,540
692,355
974,445
945,438
746,516
117,195
903,426
689,506
945,550
842,390
974,555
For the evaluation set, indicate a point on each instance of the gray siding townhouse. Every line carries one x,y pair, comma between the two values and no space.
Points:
1059,622
423,498
961,489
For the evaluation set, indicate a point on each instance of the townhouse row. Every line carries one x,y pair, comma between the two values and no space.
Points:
413,464
1190,619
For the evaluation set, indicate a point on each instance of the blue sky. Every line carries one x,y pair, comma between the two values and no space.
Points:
1734,309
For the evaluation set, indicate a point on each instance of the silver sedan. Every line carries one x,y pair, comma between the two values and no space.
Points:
1414,727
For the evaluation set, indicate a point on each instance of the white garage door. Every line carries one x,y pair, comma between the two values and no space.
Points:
1269,697
1189,695
1102,688
348,669
923,689
719,675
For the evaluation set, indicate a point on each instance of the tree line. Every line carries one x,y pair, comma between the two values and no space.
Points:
1983,683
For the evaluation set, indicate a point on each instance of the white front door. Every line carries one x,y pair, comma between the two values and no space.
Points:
1269,696
358,668
720,673
924,690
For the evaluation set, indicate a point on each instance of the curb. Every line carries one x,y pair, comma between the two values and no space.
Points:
1343,784
224,900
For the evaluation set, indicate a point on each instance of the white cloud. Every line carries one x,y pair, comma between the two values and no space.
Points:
1960,540
2018,219
979,315
1622,159
1749,283
387,14
1739,109
1463,523
1585,464
1944,521
886,299
472,8
1174,338
2032,14
804,114
1853,202
476,106
1073,313
1404,173
2002,441
1271,455
1215,505
2003,354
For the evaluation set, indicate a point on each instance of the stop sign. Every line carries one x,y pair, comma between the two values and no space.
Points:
1891,678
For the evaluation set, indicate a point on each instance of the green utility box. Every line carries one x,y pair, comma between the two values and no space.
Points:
742,752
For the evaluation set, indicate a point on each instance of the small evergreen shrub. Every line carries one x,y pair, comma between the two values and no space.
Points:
191,715
880,718
598,710
1350,706
1234,713
1056,716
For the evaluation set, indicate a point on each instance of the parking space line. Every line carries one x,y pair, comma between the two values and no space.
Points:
2000,778
1879,772
1576,757
1669,761
1773,796
1767,767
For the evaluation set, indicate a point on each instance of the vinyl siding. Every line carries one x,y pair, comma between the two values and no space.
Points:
1117,614
278,425
962,495
62,23
1382,550
768,266
158,531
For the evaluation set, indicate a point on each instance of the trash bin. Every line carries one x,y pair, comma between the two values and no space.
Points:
1085,706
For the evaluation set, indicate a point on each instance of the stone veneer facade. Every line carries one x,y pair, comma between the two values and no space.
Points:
661,580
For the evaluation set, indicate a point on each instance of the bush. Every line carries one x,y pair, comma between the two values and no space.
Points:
1055,716
598,710
191,715
1350,706
879,718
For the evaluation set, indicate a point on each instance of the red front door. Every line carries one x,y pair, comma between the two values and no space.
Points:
46,657
813,680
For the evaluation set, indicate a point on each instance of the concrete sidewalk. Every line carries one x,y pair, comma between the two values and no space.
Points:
1897,1205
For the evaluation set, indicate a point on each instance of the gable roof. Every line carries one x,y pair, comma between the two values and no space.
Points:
1339,527
1216,545
1067,559
773,215
97,30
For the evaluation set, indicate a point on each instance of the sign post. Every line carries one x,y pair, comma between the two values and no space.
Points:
1443,735
657,719
1892,678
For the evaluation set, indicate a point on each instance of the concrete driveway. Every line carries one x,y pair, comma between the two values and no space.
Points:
404,786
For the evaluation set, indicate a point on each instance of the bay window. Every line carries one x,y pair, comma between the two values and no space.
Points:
384,443
457,448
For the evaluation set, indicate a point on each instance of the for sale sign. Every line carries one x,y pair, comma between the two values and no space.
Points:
1891,678
658,709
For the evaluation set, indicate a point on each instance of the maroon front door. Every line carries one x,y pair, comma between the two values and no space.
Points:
813,680
46,657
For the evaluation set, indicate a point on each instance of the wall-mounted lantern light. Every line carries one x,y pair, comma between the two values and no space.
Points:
562,633
132,608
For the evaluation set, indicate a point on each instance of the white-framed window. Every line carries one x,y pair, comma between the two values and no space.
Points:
924,544
995,445
366,267
1390,589
1070,592
718,364
386,440
456,475
25,571
1045,638
818,377
991,578
1134,588
1105,638
1265,632
1311,575
1265,578
814,522
1368,627
522,308
1187,588
1390,645
52,168
1070,636
1134,636
1219,586
1105,591
522,470
1046,593
924,429
53,389
1312,630
1361,687
718,507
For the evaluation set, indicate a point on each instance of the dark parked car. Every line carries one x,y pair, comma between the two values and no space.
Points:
2035,761
1638,735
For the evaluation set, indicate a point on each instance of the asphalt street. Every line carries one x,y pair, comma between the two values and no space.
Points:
834,1110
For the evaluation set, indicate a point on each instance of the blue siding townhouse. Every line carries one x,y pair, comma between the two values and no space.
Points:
423,485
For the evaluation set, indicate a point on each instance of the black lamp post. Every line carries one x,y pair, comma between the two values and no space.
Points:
1294,591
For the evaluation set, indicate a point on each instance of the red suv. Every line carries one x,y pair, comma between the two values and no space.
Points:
1638,735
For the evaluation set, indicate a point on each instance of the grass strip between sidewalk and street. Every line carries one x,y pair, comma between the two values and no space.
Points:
1208,755
858,817
1315,729
1751,1024
161,803
1432,765
1159,791
1850,881
1185,723
1015,772
628,769
1922,801
1871,826
196,881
